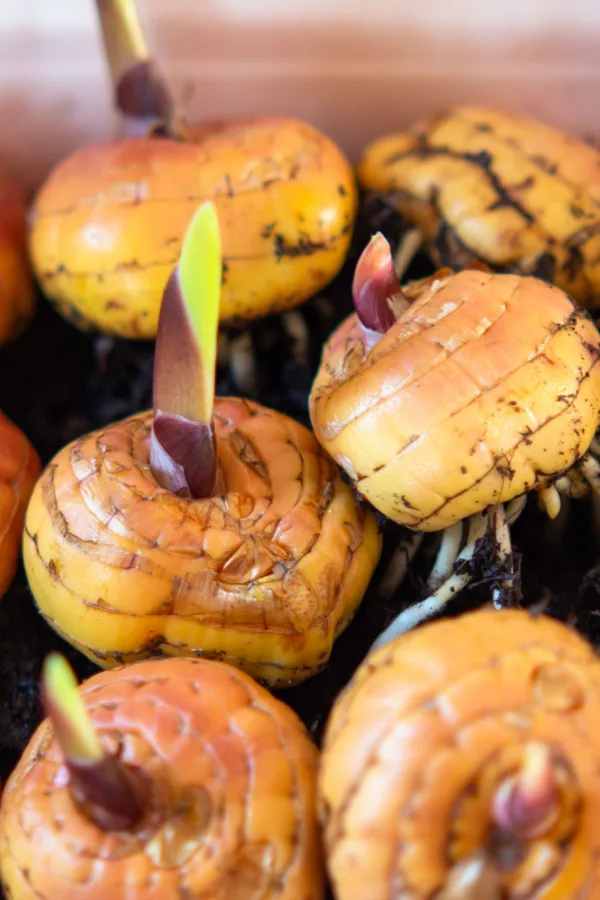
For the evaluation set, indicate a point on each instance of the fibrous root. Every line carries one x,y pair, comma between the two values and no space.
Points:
487,546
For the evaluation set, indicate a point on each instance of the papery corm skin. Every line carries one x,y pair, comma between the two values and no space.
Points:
264,576
230,795
420,741
487,387
108,223
490,185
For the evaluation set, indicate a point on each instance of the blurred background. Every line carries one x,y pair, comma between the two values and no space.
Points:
352,68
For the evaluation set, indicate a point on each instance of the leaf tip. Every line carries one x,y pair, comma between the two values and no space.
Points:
182,443
70,719
186,343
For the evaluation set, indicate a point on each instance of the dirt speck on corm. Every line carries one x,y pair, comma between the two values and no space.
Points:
57,383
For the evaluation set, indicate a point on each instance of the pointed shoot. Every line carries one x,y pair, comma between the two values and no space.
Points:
72,725
100,784
183,456
140,91
375,282
550,499
527,804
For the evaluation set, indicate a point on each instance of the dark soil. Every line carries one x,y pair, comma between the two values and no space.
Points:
57,383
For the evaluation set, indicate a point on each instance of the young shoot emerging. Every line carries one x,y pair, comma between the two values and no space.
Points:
100,784
378,298
182,454
527,803
375,282
141,94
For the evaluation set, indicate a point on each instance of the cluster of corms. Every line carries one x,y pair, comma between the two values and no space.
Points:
208,550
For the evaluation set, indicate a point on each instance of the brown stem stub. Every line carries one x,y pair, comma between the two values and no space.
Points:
141,93
140,90
107,793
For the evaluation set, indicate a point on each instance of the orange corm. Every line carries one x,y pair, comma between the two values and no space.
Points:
227,779
486,386
462,761
19,468
108,223
490,185
263,574
17,289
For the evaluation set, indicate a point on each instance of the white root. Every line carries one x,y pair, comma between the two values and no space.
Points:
419,612
590,469
497,517
550,500
572,485
238,351
448,576
446,557
295,326
585,478
514,509
242,362
398,565
103,347
563,485
408,246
